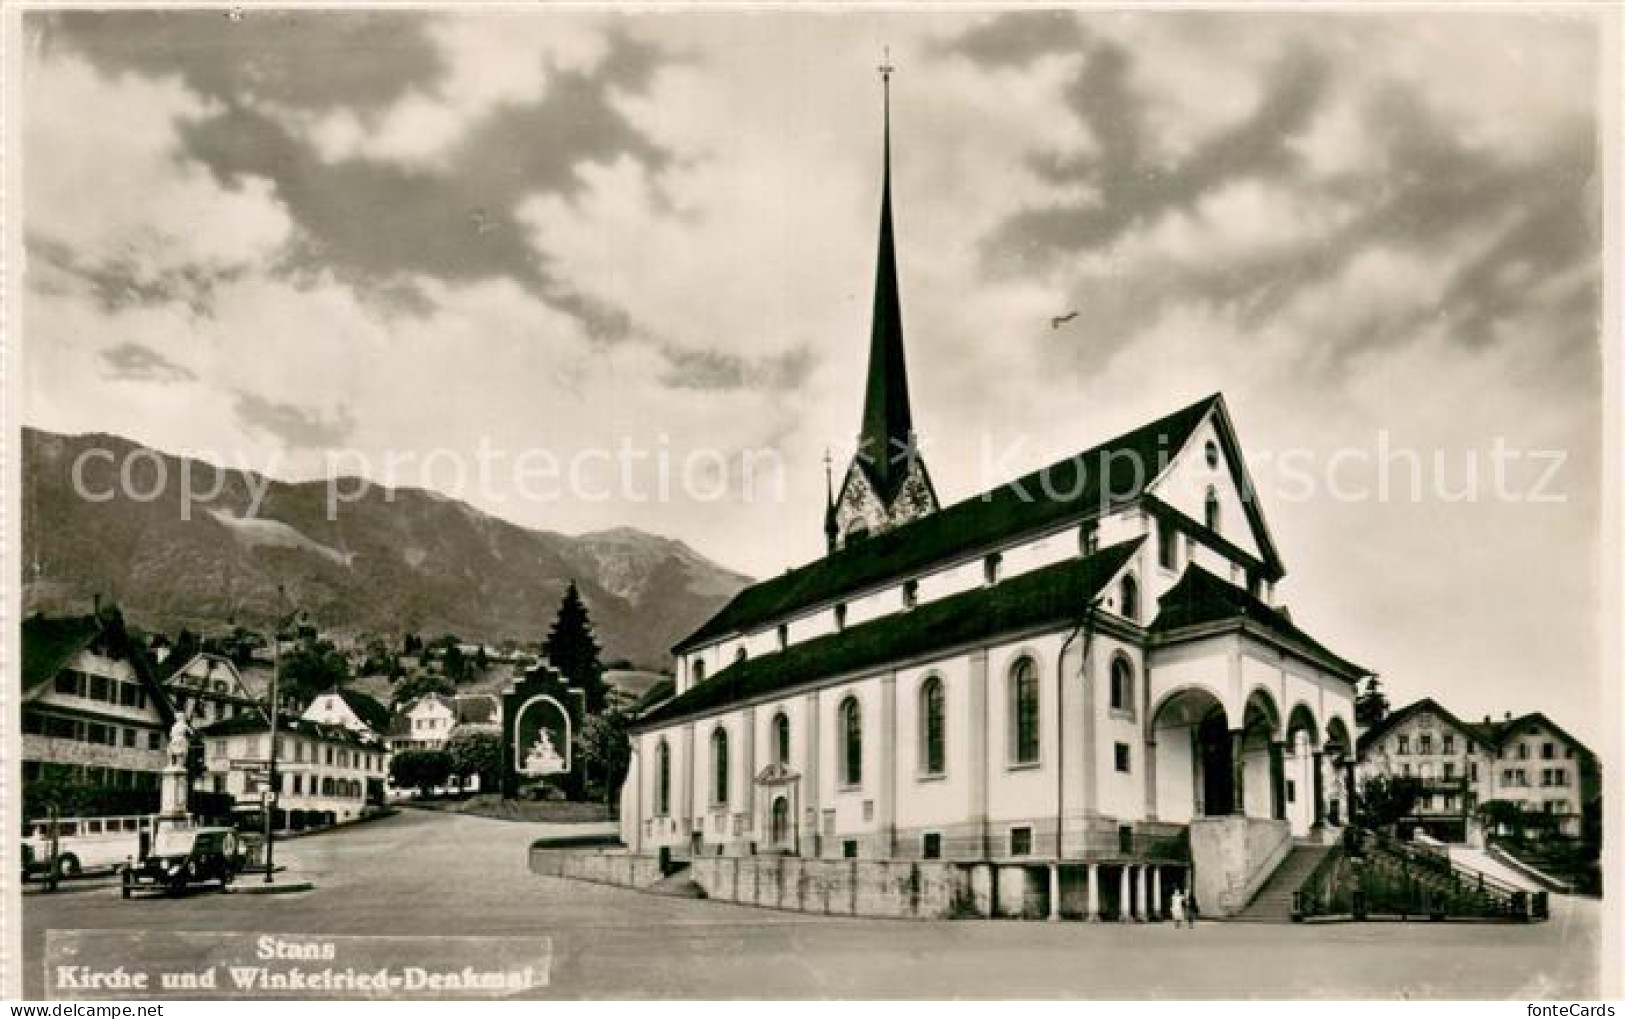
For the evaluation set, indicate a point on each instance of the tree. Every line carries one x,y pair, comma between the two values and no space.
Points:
605,749
421,685
572,649
422,770
476,751
1502,817
310,667
1385,800
1371,706
455,665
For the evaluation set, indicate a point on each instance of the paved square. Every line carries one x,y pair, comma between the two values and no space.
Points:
424,873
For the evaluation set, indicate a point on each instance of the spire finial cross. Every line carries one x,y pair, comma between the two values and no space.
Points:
886,67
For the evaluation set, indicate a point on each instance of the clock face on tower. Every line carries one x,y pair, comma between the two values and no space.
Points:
862,511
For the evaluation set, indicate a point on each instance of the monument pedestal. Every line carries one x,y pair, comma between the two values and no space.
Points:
172,794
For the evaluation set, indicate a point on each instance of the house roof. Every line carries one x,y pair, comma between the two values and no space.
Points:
1049,595
49,643
1491,733
372,714
1398,715
1111,474
1200,598
1499,732
250,724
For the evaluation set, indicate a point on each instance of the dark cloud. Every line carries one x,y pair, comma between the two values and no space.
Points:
1130,188
1503,221
1010,40
132,362
716,370
117,281
296,427
304,59
372,221
455,222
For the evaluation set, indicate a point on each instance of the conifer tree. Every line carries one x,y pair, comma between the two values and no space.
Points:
573,650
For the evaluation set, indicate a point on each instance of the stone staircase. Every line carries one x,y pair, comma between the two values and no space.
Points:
1273,903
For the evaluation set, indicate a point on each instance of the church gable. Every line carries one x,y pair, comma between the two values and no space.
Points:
1206,481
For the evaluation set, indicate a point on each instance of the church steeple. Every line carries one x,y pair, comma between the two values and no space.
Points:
886,440
887,483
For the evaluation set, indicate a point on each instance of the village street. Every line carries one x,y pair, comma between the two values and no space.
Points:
432,874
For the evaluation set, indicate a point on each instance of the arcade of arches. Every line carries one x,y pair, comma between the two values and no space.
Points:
1209,763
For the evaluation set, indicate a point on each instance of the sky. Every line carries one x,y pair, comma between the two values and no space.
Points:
393,240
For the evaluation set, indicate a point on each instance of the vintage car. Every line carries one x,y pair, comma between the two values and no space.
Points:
183,856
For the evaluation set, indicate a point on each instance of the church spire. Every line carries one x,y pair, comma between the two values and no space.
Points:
886,441
887,484
832,528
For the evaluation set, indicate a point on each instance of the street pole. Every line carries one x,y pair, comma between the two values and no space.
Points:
269,797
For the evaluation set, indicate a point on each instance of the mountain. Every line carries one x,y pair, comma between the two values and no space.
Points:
393,561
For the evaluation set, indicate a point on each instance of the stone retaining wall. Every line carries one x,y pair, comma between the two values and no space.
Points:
917,889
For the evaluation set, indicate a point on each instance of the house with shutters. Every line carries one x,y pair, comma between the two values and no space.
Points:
93,712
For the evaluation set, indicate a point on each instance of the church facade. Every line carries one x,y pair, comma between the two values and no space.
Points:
1076,667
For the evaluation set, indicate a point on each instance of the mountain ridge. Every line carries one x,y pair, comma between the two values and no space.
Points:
391,561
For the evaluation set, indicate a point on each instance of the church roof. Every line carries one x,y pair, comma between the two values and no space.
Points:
1111,474
1053,594
1200,598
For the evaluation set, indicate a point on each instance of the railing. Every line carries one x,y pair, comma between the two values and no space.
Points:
1414,880
1321,893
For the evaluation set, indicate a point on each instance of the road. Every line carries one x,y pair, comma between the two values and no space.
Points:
423,873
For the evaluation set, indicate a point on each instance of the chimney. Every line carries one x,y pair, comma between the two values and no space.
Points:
1508,716
96,604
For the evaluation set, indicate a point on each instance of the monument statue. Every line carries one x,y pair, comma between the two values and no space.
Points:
178,743
543,758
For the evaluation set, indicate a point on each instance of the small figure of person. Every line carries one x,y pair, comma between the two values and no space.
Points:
1177,907
1191,910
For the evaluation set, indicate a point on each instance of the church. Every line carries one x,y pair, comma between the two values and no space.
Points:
1085,671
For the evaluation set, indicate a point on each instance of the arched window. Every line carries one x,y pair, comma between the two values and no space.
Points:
781,738
933,719
1024,712
719,766
663,779
851,742
1128,598
697,671
1210,509
1122,684
1212,453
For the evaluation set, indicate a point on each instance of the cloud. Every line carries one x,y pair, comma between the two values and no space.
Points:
296,427
136,231
357,211
132,362
719,370
305,59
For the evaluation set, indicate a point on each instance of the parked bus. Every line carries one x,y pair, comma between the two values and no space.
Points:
87,843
